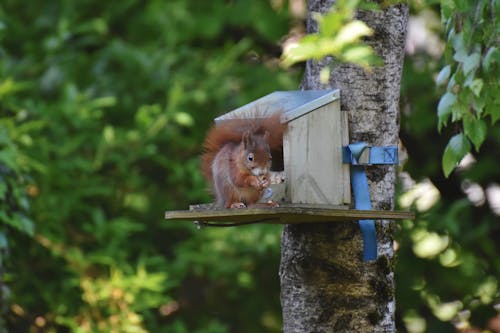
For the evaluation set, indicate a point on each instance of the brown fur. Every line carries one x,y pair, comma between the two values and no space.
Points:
225,159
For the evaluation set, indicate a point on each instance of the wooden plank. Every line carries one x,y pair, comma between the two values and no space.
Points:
284,215
287,163
346,176
313,158
210,206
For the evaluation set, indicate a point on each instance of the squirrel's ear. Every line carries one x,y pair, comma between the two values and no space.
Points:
266,136
247,139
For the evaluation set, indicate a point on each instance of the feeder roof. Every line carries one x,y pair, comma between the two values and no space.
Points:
293,104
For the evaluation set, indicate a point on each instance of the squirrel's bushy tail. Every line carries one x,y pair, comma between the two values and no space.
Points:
231,132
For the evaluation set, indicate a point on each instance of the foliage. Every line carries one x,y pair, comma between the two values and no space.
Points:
14,202
471,71
447,273
339,35
448,269
104,106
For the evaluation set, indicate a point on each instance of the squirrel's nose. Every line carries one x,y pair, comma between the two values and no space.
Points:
259,172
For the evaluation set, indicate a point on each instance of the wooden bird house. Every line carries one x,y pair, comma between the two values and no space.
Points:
314,164
316,131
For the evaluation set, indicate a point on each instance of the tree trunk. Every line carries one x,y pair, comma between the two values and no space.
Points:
325,285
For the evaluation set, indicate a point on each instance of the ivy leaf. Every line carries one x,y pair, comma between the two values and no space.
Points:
455,150
475,130
445,106
443,75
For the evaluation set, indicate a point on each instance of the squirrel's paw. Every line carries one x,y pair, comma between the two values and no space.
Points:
256,183
237,205
273,203
265,182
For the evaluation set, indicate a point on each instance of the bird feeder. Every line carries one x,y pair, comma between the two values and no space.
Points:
320,168
315,165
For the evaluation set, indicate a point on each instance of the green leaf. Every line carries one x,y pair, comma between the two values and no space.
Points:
447,9
452,82
475,130
184,119
352,32
18,221
361,55
471,62
462,5
445,107
455,150
366,5
460,145
492,55
478,103
443,75
329,24
459,110
460,54
449,161
476,86
494,111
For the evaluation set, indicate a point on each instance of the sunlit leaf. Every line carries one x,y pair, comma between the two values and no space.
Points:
338,37
460,54
352,32
184,119
443,75
445,106
324,75
471,62
476,86
361,55
455,150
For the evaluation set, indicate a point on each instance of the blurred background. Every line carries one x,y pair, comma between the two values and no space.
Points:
103,108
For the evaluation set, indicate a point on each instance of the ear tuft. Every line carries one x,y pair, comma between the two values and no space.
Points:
266,136
247,139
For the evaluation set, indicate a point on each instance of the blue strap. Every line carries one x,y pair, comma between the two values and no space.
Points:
359,183
377,155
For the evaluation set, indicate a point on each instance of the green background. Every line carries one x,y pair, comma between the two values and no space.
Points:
103,109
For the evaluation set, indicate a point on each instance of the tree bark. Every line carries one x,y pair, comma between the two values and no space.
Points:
325,285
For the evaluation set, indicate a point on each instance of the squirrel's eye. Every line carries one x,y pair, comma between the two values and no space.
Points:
250,157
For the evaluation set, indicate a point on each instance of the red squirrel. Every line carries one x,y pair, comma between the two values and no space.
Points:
237,159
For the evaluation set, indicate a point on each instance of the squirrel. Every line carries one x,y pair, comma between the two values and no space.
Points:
237,158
